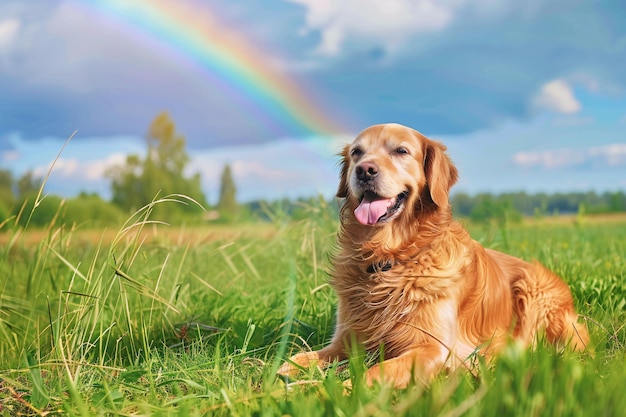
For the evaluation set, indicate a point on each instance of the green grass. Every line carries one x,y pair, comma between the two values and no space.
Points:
152,322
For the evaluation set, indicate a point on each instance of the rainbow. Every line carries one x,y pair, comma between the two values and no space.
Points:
244,73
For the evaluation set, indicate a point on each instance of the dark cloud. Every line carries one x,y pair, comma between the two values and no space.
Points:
65,73
480,72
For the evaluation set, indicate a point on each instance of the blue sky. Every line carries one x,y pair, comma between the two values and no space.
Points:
526,95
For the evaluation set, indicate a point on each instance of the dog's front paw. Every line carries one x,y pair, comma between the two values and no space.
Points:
296,363
393,376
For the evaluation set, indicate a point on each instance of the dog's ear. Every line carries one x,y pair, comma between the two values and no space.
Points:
441,174
342,190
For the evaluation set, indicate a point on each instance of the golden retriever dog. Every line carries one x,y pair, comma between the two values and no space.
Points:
411,280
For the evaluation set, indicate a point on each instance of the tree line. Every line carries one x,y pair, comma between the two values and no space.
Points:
485,206
479,208
159,180
162,175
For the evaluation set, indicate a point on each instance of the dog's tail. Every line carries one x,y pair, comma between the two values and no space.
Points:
543,301
574,333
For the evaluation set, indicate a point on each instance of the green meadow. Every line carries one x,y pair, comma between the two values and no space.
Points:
150,319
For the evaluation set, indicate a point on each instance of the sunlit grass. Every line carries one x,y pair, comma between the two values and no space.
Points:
150,319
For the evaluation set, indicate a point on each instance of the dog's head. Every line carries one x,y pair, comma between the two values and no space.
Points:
391,170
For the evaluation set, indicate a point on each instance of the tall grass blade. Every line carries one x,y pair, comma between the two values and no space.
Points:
39,395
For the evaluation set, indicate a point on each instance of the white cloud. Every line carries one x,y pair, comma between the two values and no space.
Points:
9,29
286,168
550,159
593,84
80,51
390,22
243,169
611,155
63,167
557,96
10,155
572,121
96,170
83,169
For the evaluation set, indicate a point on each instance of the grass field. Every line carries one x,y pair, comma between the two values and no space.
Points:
155,320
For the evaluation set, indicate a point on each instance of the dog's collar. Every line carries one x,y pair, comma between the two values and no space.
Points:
381,266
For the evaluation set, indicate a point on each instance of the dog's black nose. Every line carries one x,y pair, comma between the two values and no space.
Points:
366,171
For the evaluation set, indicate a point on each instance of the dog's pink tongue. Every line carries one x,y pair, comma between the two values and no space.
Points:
369,211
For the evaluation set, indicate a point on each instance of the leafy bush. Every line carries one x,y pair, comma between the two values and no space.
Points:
489,208
37,212
93,210
87,209
5,213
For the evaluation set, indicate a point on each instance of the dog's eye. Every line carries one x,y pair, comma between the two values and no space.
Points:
356,152
402,151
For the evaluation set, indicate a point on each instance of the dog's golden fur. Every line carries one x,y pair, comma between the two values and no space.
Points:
415,282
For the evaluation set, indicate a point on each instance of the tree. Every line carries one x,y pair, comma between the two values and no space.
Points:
28,184
498,209
7,198
6,194
166,148
126,186
227,204
462,204
161,173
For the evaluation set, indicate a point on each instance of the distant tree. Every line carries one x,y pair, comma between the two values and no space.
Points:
7,198
28,184
616,201
162,172
489,208
127,189
227,204
41,212
462,204
166,148
92,210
